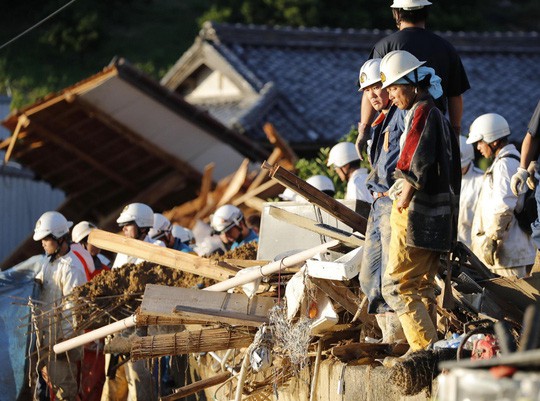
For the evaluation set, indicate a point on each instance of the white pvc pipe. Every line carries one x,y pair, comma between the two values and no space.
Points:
266,270
94,334
271,268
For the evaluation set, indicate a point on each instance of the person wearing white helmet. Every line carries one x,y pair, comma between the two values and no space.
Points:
130,380
60,273
426,197
182,239
383,154
79,236
160,233
228,221
471,182
530,153
497,239
410,17
345,160
136,220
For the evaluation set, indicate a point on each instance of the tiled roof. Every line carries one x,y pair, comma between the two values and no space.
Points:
314,71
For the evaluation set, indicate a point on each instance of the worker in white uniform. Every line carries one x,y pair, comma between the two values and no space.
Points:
127,380
136,220
471,182
496,237
344,158
60,273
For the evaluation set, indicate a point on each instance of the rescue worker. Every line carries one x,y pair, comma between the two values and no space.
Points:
412,36
530,152
471,182
128,380
497,239
160,233
345,160
183,239
386,131
93,364
136,220
79,235
423,219
60,273
228,221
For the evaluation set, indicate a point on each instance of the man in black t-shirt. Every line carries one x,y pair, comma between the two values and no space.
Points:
439,54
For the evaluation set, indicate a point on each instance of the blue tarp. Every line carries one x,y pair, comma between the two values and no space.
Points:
16,286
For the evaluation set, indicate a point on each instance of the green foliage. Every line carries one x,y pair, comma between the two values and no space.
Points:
306,168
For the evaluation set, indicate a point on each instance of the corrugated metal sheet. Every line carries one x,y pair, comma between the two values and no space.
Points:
22,201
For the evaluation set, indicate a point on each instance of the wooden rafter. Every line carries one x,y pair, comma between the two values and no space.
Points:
22,122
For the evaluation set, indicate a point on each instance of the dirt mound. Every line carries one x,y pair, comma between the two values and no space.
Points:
243,252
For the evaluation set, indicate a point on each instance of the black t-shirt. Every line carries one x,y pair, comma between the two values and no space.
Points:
535,122
437,52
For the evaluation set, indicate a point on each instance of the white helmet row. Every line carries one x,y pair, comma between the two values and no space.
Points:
51,223
139,213
182,233
160,227
410,4
81,231
226,217
322,183
396,64
342,154
369,73
466,151
488,128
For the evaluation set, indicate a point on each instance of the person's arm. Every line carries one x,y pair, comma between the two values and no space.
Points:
455,112
530,150
405,197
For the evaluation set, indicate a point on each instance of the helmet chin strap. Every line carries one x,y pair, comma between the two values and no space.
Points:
56,252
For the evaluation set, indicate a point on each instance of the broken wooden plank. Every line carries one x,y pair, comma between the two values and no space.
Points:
210,306
319,228
200,385
254,192
338,292
319,198
206,185
277,140
261,176
162,256
22,122
190,341
236,183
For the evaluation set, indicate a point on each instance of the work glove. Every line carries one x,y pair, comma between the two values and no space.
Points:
489,248
518,181
396,189
361,139
532,180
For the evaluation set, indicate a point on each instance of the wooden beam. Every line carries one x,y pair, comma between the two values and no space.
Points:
312,225
132,136
80,154
236,183
160,255
206,185
319,198
278,141
261,176
210,306
339,292
200,385
21,122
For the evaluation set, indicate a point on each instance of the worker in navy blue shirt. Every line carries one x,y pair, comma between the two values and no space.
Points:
384,152
438,53
228,221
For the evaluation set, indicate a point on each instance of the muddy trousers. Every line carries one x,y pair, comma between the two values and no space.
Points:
408,284
133,382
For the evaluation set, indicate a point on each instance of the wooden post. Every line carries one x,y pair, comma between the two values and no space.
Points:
193,388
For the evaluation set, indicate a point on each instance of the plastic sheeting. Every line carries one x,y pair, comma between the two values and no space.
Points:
16,286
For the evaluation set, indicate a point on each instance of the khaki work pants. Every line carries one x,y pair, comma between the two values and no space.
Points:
408,284
133,382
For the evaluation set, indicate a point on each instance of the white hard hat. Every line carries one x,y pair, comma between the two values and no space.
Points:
466,151
161,225
322,183
288,195
137,213
182,233
369,73
488,128
396,65
410,4
341,154
51,223
81,231
226,217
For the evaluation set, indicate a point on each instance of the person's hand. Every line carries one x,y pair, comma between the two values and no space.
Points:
518,180
489,248
532,181
395,189
361,139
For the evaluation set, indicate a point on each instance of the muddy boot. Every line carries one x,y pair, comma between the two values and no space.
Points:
394,331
